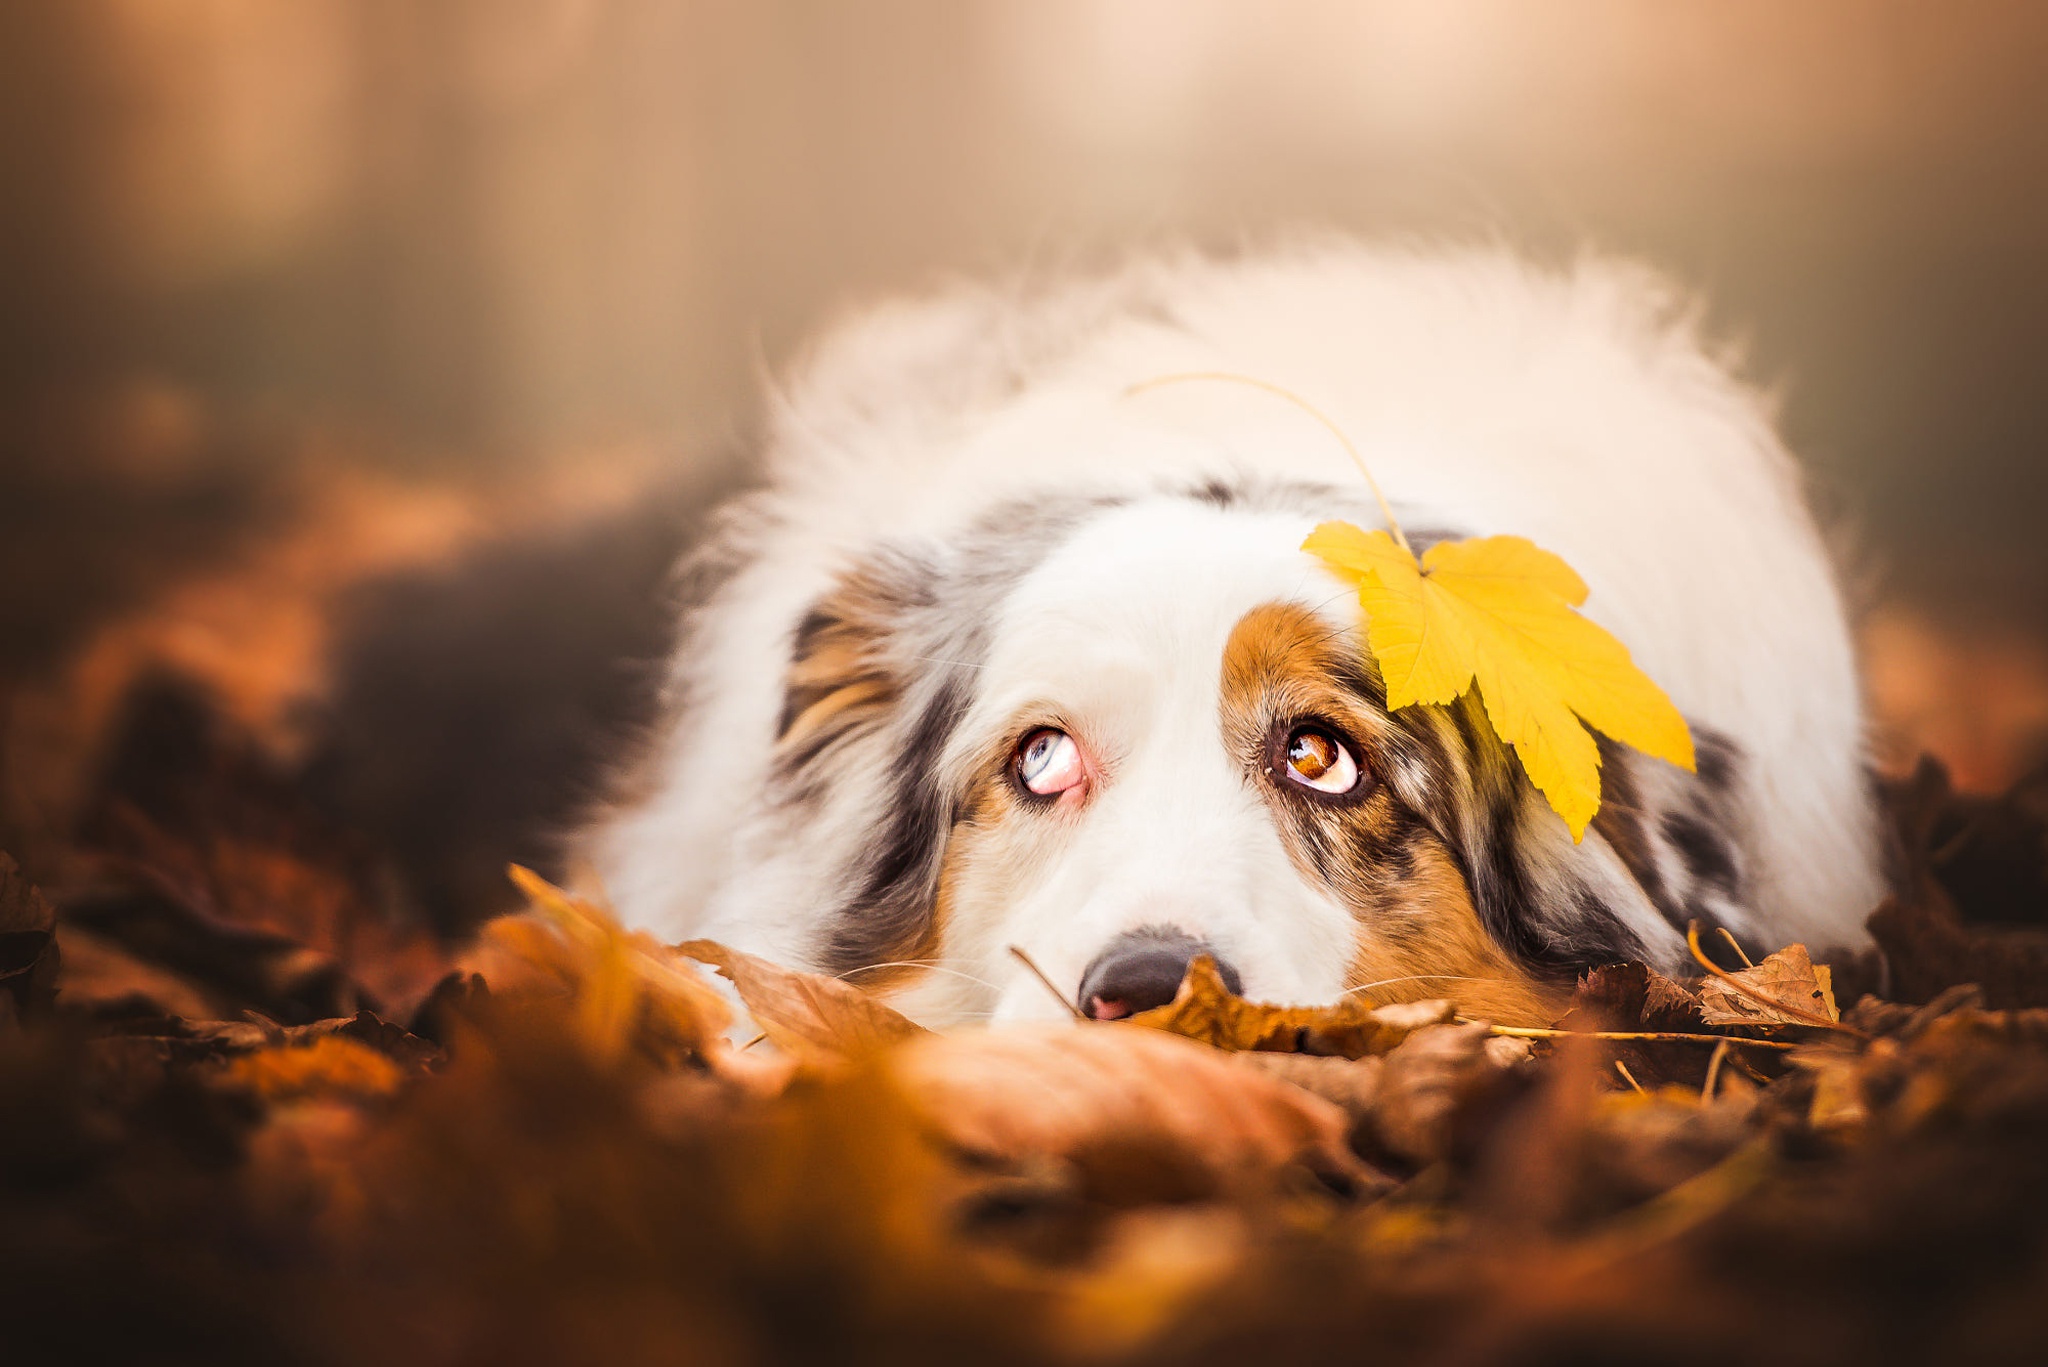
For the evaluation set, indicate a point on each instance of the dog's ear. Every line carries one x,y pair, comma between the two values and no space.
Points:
870,698
844,673
1663,850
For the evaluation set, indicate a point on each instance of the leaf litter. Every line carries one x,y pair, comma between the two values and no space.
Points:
556,1152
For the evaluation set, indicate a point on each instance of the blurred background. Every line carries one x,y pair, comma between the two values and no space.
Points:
364,364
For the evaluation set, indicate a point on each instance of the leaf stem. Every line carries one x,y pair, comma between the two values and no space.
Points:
1539,1032
1224,376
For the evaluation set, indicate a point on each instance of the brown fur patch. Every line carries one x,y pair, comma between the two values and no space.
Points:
839,675
1284,666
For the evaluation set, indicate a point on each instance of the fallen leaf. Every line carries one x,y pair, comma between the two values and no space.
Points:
367,1028
628,988
1963,913
102,977
1787,988
807,1014
1142,1115
1351,1084
1840,1106
332,1067
1154,1269
1499,612
1426,1081
204,843
1630,996
1206,1009
28,942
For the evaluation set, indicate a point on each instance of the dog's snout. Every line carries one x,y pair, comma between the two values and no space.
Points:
1142,969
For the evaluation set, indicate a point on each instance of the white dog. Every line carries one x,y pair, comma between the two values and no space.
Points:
1006,653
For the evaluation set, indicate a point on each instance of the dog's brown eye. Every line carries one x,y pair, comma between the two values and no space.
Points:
1318,760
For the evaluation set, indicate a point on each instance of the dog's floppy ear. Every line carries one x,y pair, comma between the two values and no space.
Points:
843,675
1662,851
869,699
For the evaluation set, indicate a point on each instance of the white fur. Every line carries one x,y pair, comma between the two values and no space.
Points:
1576,408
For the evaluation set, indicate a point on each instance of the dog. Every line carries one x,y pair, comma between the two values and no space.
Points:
1017,647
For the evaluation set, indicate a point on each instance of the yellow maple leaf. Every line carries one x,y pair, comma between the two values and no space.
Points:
1499,611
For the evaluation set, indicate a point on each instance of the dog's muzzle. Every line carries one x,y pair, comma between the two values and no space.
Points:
1142,969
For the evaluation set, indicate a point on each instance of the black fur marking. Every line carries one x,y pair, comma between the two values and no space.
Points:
816,623
1706,852
899,885
1622,822
1678,834
1715,758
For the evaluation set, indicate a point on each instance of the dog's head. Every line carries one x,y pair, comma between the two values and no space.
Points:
1121,732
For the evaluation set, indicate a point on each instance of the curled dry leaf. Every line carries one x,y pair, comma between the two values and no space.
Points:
1787,988
1630,996
1139,1114
1206,1009
808,1015
629,990
1425,1082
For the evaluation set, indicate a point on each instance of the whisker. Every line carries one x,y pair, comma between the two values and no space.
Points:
1421,977
924,964
938,660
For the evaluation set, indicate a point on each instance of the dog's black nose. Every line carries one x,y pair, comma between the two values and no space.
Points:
1142,969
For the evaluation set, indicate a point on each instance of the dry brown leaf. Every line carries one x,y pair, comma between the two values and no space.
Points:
1970,906
1352,1084
807,1014
329,1067
28,942
102,977
1140,1114
628,988
1424,1082
1207,1010
1787,988
1630,996
1840,1106
1155,1267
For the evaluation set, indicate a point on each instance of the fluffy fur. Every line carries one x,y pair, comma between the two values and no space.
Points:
971,530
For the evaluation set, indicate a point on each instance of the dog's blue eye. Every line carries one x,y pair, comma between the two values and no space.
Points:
1318,760
1049,762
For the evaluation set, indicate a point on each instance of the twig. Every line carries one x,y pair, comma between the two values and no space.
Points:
1386,509
1714,1071
1628,1077
1039,973
1819,1022
1539,1032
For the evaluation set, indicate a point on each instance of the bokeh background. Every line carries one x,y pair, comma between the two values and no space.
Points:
364,363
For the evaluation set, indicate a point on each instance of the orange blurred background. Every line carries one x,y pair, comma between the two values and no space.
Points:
368,361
